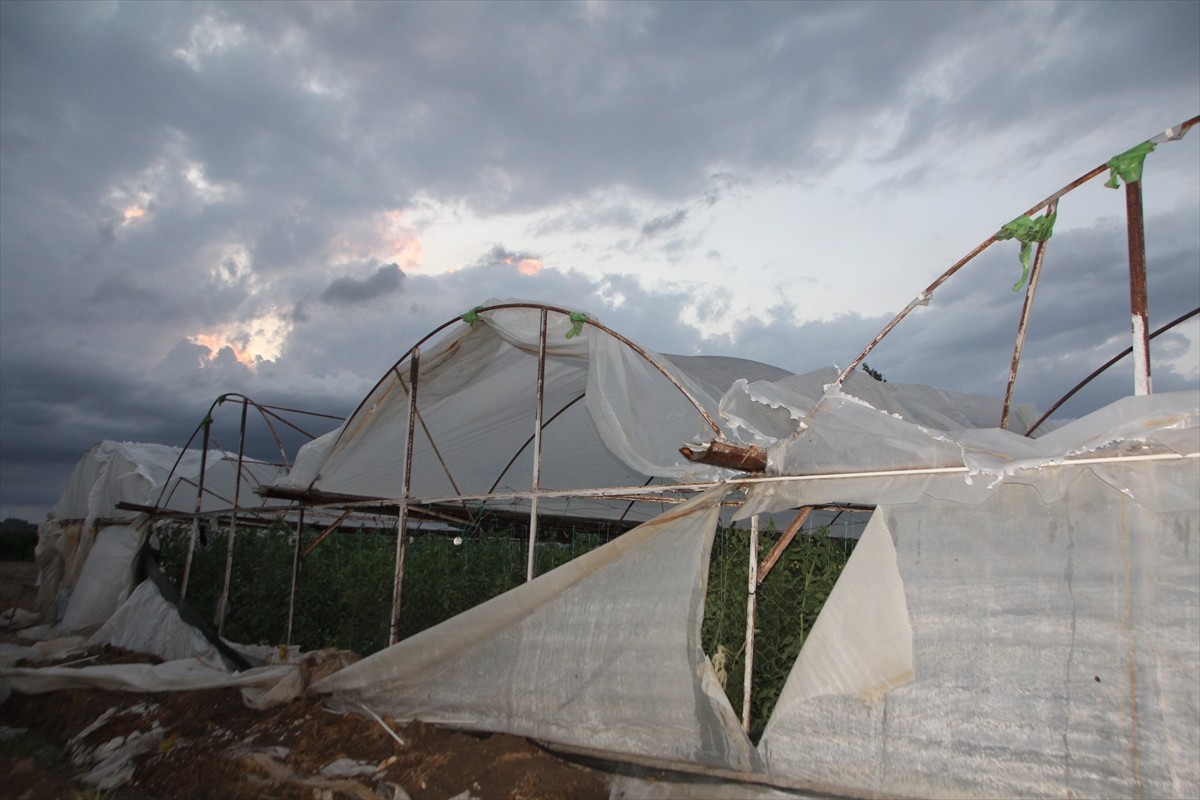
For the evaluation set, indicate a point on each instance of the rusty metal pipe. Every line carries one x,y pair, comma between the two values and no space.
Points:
414,369
1023,325
1138,301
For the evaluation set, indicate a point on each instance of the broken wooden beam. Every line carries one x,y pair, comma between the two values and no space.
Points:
743,458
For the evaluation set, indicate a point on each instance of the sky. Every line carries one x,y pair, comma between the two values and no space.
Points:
279,199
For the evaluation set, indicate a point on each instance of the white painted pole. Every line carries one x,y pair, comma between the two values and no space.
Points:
751,607
414,372
537,448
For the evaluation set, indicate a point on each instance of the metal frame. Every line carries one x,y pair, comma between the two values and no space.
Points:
406,504
1137,274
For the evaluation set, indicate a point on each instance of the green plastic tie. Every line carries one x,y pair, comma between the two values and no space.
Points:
1027,231
208,420
1128,166
577,320
472,316
221,399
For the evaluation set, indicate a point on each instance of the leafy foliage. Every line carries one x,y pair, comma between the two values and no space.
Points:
344,588
787,605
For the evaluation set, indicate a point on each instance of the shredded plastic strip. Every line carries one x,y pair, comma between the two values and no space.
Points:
1027,231
1128,165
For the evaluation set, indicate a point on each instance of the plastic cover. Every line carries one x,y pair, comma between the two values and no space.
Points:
104,582
108,474
476,397
146,623
848,437
602,653
1055,649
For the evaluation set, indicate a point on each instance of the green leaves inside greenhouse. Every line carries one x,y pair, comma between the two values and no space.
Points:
344,588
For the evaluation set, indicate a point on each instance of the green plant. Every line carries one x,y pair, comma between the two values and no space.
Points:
344,588
787,605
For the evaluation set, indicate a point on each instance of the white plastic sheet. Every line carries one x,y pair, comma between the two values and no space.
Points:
105,581
602,653
1056,651
476,396
111,473
146,623
850,438
261,686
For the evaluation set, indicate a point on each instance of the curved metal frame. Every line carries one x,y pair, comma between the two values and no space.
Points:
395,373
1136,252
559,310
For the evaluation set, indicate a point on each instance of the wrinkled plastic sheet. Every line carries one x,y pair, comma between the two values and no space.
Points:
108,474
146,623
1055,650
839,456
602,654
261,686
477,387
763,412
105,580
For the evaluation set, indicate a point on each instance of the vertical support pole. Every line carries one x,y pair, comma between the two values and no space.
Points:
414,369
751,607
1138,303
187,563
1023,325
537,448
223,603
295,576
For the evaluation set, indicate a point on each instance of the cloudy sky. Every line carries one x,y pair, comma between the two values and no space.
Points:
279,199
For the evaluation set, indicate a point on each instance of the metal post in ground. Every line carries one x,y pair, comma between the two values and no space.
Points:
751,608
414,368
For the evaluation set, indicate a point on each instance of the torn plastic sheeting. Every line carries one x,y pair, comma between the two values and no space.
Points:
642,417
839,438
476,387
601,653
105,580
849,435
146,623
114,471
45,650
111,764
1055,650
262,686
763,412
861,644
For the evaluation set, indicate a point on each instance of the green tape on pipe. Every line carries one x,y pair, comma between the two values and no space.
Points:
1128,166
1027,231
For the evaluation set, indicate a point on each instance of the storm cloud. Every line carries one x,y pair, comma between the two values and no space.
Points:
279,199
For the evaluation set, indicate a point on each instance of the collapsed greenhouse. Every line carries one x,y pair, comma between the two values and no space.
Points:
1020,617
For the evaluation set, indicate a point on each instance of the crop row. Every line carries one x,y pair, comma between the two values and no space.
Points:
344,589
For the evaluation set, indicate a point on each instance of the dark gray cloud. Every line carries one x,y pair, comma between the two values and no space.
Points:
168,170
499,254
664,223
347,291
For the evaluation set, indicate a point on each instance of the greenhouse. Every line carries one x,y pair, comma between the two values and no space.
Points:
1020,615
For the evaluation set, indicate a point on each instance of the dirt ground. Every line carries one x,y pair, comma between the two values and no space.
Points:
209,744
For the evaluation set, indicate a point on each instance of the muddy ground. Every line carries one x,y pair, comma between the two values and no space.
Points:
208,744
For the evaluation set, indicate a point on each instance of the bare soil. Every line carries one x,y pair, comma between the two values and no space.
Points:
209,744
